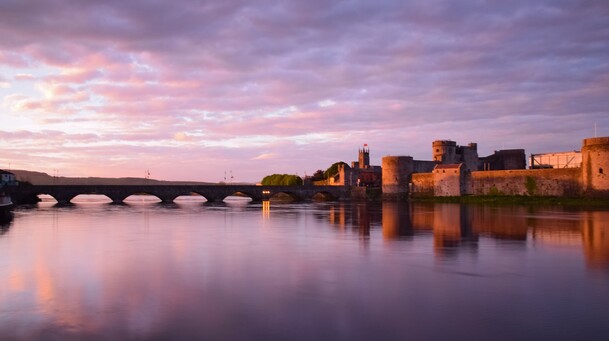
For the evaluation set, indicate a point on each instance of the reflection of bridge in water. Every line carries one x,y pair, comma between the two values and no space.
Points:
167,193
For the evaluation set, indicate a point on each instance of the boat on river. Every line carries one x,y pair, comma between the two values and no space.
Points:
6,179
6,204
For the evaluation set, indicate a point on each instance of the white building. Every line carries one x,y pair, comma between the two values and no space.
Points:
557,160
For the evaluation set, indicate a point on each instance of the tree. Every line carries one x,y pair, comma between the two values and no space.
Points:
282,180
318,175
332,170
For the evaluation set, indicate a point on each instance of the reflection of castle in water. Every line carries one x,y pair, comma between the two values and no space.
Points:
595,233
457,228
360,216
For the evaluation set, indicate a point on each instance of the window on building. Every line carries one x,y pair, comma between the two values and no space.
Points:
600,170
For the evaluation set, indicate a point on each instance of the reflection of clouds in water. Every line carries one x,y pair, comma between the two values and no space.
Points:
148,281
183,271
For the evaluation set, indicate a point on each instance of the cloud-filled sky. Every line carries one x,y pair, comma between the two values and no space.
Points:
193,89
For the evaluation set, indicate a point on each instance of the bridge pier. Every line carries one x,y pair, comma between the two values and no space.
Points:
116,199
257,198
214,198
167,199
62,199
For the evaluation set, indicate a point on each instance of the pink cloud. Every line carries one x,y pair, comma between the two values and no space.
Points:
247,77
24,77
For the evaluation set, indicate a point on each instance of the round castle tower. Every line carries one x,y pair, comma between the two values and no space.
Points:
396,174
595,165
444,151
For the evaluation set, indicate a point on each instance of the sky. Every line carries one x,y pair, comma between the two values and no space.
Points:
194,90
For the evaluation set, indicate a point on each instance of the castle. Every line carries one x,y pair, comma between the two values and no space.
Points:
458,170
361,173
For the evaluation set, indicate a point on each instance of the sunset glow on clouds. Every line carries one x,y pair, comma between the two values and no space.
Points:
192,89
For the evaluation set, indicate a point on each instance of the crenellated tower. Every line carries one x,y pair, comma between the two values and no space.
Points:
445,151
364,157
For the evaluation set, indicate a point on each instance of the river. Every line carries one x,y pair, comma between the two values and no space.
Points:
303,271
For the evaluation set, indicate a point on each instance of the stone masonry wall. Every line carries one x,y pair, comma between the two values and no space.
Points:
423,166
422,184
539,182
448,182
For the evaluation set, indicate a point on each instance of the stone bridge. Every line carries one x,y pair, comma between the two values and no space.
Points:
167,193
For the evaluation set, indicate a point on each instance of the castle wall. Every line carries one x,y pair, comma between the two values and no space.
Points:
423,184
504,159
470,157
423,166
343,178
514,159
538,182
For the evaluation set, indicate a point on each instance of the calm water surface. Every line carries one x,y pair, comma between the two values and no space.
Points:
306,271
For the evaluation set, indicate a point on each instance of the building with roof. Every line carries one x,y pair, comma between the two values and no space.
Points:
571,159
7,178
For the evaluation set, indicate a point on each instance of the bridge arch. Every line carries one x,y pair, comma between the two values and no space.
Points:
210,196
323,196
245,194
62,198
86,197
145,197
190,197
285,195
40,196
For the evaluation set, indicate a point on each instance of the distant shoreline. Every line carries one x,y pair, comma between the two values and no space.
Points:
41,178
